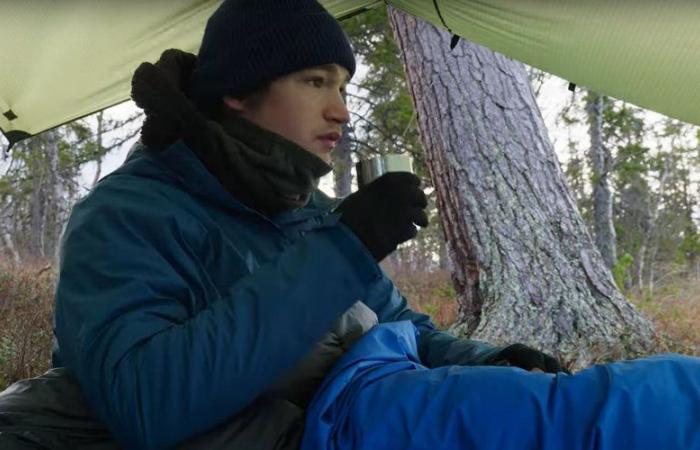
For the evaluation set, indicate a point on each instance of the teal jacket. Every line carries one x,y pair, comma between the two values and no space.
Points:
177,306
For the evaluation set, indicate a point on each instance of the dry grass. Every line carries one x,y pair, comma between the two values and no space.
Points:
429,293
26,305
675,308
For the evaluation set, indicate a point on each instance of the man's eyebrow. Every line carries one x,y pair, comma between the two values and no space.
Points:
330,69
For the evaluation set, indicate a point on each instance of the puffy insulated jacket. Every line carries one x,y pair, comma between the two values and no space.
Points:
177,307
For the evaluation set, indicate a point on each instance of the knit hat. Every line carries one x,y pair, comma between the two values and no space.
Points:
250,42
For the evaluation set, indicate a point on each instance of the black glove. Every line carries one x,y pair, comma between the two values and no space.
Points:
382,214
520,355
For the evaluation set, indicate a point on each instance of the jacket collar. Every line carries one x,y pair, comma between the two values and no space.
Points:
191,173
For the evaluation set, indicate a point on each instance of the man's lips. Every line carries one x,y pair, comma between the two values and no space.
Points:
329,140
331,136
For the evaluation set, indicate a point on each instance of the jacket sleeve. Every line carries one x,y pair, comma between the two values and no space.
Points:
156,367
436,348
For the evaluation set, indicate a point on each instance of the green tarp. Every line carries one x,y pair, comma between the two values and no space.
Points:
61,60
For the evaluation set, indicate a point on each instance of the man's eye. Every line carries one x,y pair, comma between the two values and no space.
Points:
315,81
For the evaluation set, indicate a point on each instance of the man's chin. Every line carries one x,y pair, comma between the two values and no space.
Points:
323,156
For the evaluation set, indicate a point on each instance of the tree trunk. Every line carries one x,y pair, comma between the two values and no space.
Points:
53,200
445,263
37,203
342,164
10,247
640,264
600,159
526,268
653,231
6,221
98,143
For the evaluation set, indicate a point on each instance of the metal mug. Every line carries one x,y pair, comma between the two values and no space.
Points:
370,169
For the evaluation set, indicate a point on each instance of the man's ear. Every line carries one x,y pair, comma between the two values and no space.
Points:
234,103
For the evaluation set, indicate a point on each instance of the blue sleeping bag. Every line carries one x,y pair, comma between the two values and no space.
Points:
379,396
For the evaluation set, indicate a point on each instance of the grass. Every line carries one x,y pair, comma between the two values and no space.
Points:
675,308
429,293
26,303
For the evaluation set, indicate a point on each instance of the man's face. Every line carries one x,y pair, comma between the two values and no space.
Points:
307,107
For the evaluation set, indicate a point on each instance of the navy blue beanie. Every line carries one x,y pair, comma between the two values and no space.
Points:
250,42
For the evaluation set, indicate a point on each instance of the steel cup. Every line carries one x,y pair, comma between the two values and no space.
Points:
370,169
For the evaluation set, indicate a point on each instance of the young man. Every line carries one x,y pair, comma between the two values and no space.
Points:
207,288
207,281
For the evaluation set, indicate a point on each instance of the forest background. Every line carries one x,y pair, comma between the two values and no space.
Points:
649,163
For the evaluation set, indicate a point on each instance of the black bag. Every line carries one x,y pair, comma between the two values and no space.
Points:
50,413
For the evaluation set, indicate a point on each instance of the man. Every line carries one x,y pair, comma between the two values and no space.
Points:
208,291
199,282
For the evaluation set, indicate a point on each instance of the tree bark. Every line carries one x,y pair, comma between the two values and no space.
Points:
37,202
6,221
98,142
640,264
342,164
600,159
653,233
53,221
526,268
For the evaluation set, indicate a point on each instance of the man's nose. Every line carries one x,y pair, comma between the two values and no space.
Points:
337,110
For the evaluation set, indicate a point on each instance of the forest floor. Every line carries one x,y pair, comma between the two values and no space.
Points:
26,304
674,307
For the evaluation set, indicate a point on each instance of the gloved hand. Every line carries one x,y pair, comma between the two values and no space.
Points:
520,355
382,214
